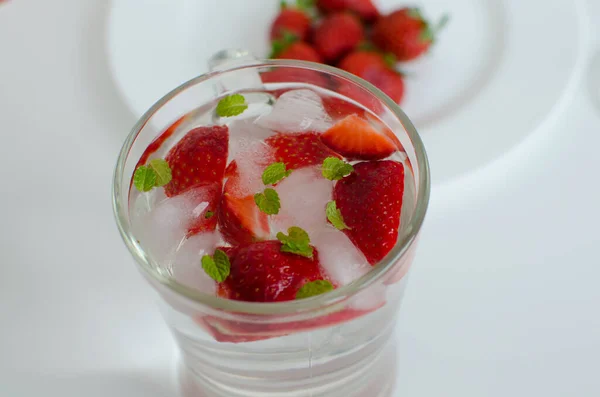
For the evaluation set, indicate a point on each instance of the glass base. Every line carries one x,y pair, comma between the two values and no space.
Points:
373,376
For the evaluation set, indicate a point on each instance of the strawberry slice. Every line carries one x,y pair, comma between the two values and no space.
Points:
261,272
370,200
300,150
240,332
356,137
198,158
240,220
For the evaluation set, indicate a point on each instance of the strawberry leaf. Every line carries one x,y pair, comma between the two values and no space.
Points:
232,105
268,201
274,173
278,46
314,288
144,178
162,170
335,169
217,266
335,216
296,242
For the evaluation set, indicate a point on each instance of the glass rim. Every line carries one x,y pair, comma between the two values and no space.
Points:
287,307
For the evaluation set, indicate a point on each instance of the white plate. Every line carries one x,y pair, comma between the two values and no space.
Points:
499,69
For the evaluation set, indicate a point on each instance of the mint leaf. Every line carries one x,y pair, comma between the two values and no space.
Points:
335,169
217,266
209,214
335,216
232,105
305,4
162,170
314,288
297,242
268,201
144,178
274,173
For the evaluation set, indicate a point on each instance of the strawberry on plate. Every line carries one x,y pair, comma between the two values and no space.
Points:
291,21
405,33
261,272
370,201
337,34
363,8
300,51
299,150
357,137
373,67
199,158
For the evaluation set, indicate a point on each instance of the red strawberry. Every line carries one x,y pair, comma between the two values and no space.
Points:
356,137
405,33
363,8
198,158
291,21
360,95
240,220
370,200
300,51
260,272
299,150
336,35
373,67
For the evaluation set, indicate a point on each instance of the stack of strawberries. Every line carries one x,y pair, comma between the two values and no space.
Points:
354,36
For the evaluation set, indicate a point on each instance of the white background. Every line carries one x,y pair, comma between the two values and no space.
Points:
504,298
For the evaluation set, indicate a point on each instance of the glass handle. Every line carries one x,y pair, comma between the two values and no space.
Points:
227,59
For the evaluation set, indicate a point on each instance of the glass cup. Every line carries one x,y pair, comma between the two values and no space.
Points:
335,344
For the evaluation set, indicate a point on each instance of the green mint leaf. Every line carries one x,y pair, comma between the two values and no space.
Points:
217,266
162,170
232,105
144,178
335,216
296,242
390,59
209,214
268,201
305,4
314,288
274,173
335,169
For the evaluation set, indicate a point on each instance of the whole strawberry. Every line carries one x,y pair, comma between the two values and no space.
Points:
365,9
300,51
405,33
261,272
337,35
290,21
370,201
373,67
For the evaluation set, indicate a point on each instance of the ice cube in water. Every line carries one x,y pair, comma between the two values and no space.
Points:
303,195
297,111
187,267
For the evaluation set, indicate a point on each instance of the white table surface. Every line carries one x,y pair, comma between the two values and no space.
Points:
504,298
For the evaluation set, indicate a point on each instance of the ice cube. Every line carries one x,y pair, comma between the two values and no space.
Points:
297,111
250,164
344,263
243,135
303,196
186,266
162,228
